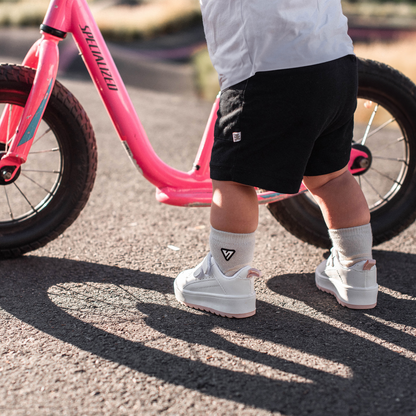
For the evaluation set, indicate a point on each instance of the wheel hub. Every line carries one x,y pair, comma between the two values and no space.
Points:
361,159
6,172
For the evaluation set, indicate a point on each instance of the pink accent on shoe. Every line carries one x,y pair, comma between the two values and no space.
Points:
342,303
369,264
254,273
225,315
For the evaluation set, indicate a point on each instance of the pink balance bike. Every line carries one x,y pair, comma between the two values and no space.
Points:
48,151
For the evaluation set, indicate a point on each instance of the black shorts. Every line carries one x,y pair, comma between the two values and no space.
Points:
278,126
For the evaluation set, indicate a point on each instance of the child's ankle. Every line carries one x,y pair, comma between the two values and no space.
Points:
352,244
231,251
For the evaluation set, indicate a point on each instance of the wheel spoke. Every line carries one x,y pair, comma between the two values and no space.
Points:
37,184
374,189
8,203
42,171
394,159
385,176
400,139
54,149
24,196
380,128
370,122
42,135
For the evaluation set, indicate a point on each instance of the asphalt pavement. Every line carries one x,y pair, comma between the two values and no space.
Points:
89,324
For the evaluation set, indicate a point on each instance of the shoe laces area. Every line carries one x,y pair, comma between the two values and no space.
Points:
331,259
204,268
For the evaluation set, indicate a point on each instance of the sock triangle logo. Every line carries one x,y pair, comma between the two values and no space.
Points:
227,253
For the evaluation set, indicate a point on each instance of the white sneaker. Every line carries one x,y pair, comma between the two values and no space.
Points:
206,288
354,287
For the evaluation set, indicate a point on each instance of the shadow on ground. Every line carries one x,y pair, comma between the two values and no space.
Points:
52,294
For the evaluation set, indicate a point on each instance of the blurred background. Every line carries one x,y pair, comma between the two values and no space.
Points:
159,44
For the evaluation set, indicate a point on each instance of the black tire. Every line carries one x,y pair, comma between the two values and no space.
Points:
57,179
395,208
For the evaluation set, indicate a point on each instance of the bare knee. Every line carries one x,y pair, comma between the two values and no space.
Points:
340,198
230,185
228,193
232,191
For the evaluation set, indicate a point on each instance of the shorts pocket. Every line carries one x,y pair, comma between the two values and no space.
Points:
231,106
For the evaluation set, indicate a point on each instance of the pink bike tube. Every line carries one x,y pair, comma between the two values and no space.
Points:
43,55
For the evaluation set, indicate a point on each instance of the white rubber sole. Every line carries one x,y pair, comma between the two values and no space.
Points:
342,303
350,297
236,307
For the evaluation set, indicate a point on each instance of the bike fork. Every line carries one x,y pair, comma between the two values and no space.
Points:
18,126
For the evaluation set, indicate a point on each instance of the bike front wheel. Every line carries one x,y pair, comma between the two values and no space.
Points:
56,181
385,124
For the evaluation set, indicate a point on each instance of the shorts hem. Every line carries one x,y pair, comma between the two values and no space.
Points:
281,185
327,170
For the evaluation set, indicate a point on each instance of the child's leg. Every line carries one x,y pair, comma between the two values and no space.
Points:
350,272
346,214
234,207
223,282
234,219
340,198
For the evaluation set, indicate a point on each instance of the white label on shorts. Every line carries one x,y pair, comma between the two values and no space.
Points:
237,136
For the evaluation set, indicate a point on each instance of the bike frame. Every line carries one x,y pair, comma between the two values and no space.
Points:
174,187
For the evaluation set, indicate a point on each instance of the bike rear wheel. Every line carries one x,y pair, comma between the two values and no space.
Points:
387,105
56,181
